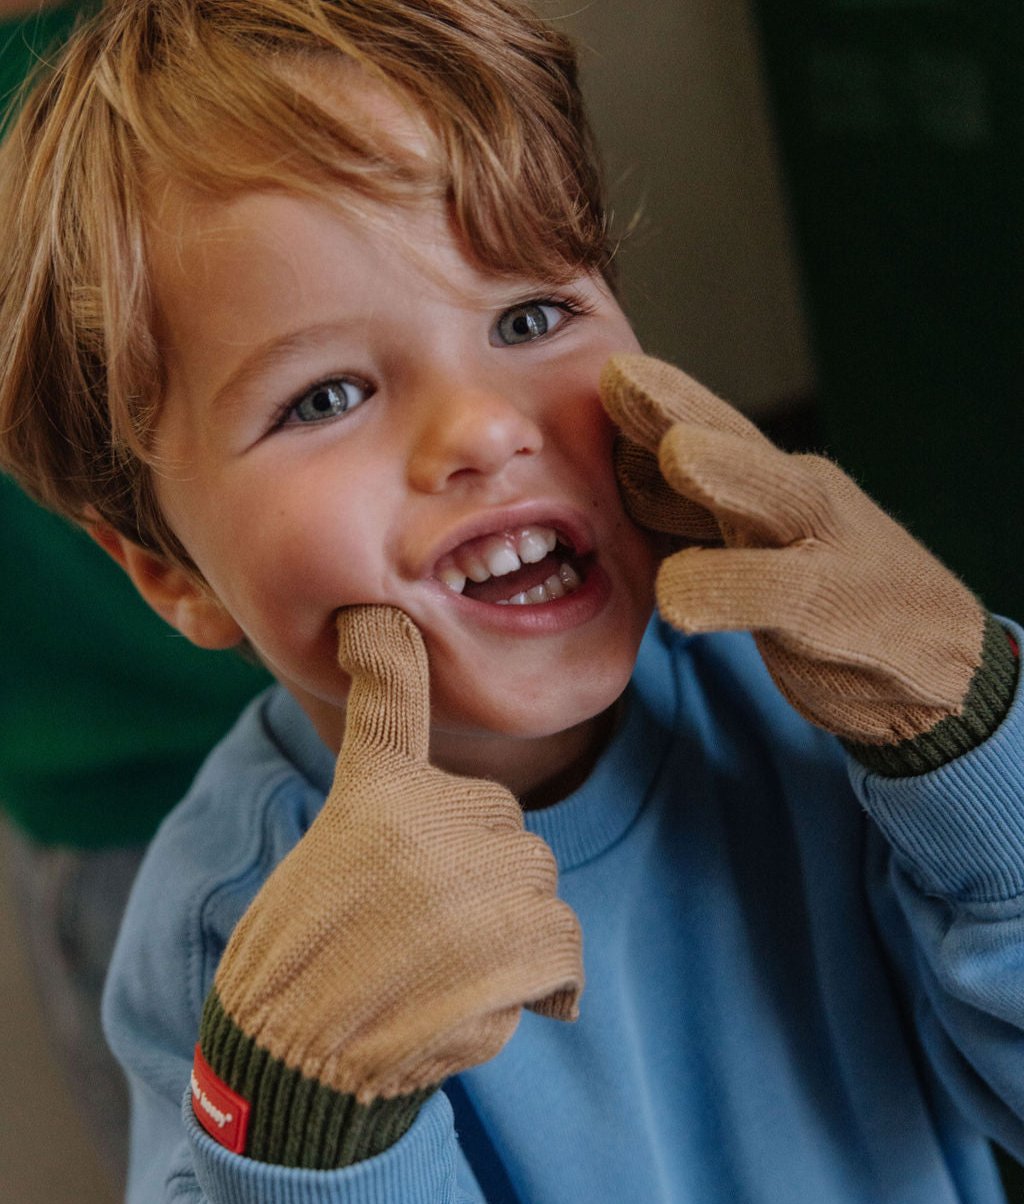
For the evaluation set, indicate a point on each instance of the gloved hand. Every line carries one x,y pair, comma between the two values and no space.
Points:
399,940
863,630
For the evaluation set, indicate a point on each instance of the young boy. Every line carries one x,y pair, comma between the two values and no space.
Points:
306,314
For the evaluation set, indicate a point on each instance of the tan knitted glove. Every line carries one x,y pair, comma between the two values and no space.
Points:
399,940
864,632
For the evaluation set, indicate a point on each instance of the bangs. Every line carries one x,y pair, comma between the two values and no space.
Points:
234,96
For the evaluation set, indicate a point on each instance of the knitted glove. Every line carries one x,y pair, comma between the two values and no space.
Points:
864,632
394,946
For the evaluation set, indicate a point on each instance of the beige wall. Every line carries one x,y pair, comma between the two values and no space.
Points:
679,106
45,1157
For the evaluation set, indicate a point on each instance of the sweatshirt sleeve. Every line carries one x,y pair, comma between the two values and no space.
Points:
947,888
419,1169
203,868
173,1160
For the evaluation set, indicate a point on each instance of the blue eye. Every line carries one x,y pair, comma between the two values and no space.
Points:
524,323
330,399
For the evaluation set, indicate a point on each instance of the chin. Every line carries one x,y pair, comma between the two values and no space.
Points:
546,709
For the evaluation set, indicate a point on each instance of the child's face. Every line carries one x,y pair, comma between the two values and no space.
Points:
467,424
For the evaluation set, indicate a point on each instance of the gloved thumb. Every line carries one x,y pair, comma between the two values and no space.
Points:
381,649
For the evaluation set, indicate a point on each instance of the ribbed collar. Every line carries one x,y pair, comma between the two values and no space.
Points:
597,815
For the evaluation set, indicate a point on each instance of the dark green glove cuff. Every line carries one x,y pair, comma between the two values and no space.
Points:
988,699
296,1120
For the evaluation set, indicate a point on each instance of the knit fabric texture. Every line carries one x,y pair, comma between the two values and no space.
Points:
862,629
296,1120
399,940
988,700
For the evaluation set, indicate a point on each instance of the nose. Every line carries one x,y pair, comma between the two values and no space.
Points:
469,434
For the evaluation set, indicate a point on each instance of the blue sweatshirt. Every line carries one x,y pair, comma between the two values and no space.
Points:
805,982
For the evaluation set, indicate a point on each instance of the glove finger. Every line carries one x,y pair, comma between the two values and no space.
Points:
559,997
855,693
470,1022
645,396
742,589
563,1004
768,497
382,650
652,503
820,634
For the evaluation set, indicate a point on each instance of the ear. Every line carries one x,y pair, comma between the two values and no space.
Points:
178,595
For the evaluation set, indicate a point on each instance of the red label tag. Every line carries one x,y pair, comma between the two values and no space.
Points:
222,1112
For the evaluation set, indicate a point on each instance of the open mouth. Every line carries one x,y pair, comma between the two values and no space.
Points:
527,566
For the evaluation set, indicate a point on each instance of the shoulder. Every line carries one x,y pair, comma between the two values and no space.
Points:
714,693
251,802
252,799
719,670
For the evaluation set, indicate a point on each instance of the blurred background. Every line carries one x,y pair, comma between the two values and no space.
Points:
824,210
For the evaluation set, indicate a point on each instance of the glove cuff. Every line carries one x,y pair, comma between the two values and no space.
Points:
987,702
292,1119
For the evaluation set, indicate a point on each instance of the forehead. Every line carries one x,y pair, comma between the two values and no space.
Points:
200,241
265,254
373,155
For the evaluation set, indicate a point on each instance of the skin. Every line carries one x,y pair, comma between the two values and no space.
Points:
452,433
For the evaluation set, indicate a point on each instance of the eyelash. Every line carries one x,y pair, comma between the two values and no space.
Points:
572,306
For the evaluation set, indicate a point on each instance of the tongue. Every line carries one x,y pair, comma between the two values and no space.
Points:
499,589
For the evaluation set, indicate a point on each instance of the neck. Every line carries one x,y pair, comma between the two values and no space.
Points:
540,771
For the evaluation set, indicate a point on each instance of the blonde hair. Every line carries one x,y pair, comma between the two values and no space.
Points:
204,91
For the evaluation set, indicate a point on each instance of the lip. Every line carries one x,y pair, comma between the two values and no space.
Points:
544,618
570,525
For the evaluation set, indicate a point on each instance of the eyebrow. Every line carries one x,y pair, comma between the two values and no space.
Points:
267,356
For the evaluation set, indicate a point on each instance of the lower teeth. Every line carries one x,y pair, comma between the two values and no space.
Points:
565,581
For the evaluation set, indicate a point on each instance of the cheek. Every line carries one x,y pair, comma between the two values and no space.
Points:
575,423
283,560
303,564
631,553
586,437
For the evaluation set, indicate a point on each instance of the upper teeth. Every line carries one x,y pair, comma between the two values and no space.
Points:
496,556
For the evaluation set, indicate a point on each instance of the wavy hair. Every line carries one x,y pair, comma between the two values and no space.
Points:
210,92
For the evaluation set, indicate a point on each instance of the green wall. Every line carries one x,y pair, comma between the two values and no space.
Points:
901,127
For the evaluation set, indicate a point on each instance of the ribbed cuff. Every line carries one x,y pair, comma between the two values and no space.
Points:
295,1120
988,699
